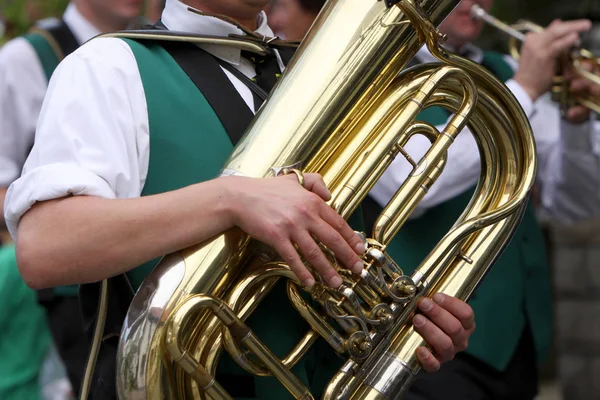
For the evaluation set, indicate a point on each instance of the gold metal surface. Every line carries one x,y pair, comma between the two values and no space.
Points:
578,59
343,110
86,385
168,36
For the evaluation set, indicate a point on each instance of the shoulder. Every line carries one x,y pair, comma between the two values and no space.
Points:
20,67
17,52
109,62
109,53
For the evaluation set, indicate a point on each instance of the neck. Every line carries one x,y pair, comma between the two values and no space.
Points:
245,15
103,23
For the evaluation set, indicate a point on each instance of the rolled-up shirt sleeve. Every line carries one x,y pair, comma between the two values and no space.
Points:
92,136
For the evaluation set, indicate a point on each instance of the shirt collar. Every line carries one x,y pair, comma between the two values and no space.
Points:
177,17
469,51
82,29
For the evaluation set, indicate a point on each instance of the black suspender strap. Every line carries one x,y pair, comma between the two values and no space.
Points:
205,72
59,37
286,54
254,88
64,37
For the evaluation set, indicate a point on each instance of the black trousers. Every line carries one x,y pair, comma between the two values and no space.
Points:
64,318
467,378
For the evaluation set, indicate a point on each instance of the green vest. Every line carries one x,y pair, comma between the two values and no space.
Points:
46,54
188,144
49,60
516,291
25,338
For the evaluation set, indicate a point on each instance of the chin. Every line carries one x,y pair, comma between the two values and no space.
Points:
129,13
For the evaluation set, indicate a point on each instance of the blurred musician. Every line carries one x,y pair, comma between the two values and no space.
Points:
291,19
26,65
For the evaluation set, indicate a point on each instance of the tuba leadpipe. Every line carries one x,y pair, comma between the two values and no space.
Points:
342,109
575,58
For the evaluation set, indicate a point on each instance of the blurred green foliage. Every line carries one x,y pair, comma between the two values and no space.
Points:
19,15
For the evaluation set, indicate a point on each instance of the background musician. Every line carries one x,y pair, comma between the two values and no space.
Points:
291,19
513,305
102,195
26,65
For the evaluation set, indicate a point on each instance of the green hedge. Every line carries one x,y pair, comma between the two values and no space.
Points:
19,15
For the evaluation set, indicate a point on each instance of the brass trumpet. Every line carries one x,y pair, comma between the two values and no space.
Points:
577,58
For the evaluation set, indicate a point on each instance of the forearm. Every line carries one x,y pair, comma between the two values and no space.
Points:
85,239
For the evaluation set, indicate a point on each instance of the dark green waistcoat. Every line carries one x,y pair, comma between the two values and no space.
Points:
25,338
516,291
46,54
188,144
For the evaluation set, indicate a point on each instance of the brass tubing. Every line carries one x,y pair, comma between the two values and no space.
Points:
181,356
239,301
492,217
316,321
239,331
96,341
385,127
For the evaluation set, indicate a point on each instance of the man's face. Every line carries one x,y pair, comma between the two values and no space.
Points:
460,27
289,20
229,7
119,11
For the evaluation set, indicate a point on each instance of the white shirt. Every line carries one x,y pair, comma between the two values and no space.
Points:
23,85
568,160
95,140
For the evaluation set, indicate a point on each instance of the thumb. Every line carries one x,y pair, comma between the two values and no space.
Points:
315,183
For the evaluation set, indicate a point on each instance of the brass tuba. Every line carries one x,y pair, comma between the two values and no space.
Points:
576,59
342,110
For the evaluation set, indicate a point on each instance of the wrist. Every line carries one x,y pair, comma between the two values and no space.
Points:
531,91
229,194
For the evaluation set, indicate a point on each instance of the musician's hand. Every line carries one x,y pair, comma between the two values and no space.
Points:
446,324
579,86
283,214
541,53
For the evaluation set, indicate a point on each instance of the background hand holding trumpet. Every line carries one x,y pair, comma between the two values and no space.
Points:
549,60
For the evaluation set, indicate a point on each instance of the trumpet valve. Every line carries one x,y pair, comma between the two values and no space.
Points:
359,345
404,287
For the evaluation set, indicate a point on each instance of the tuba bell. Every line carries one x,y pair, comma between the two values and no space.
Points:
344,109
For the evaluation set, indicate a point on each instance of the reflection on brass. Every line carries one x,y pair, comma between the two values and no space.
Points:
343,109
578,59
